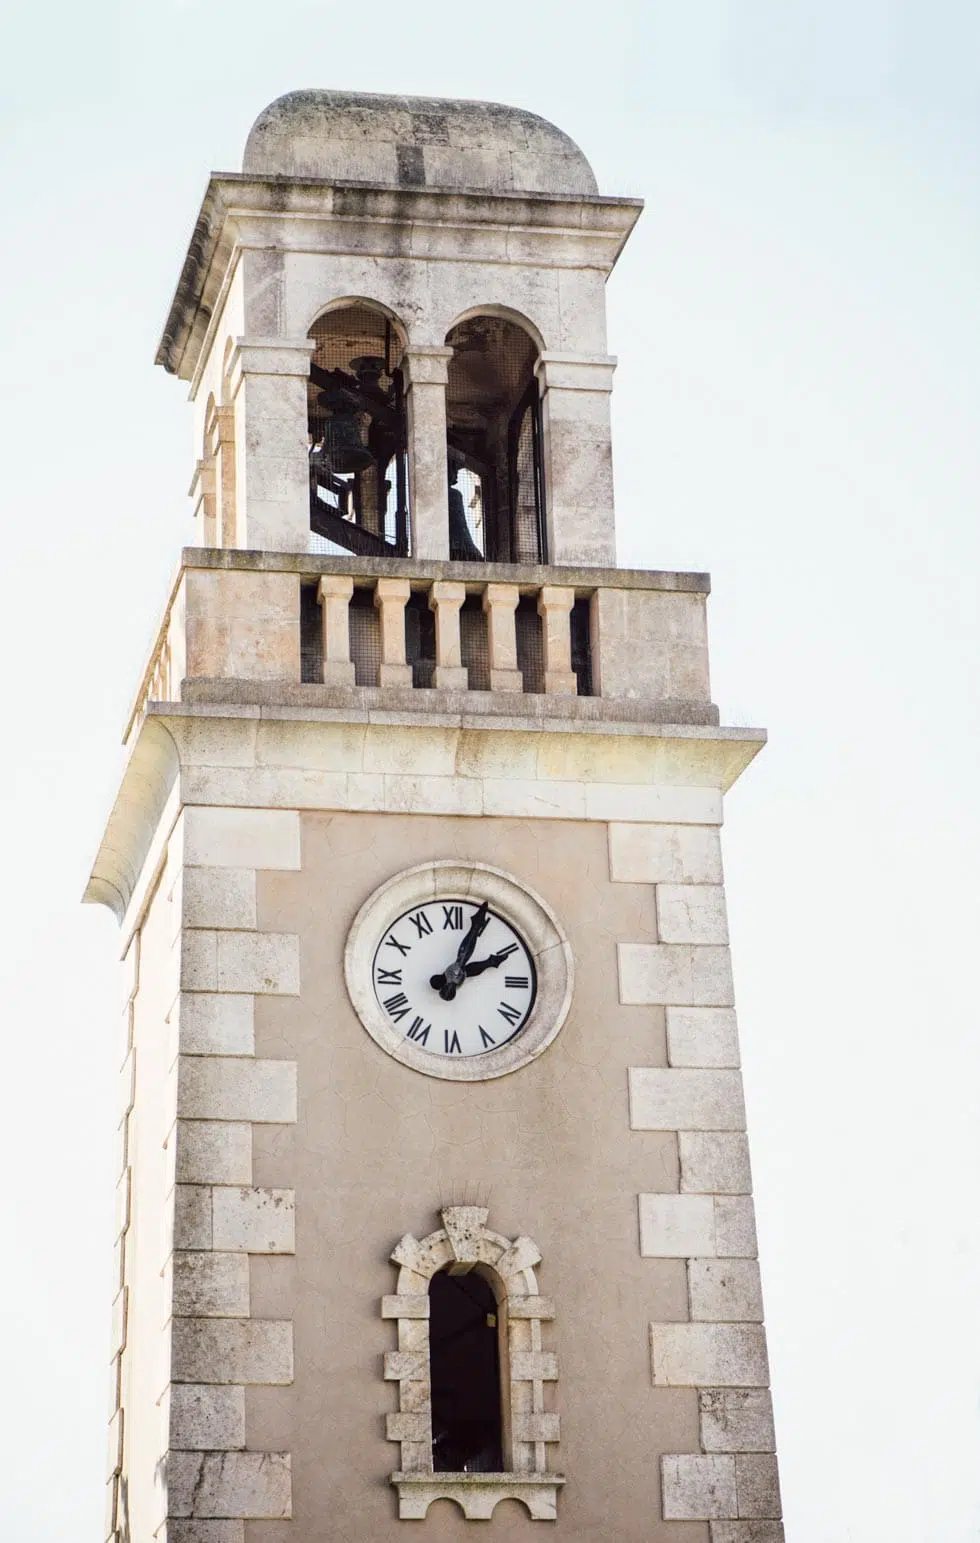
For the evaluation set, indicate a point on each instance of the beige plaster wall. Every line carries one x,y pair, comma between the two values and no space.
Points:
379,1148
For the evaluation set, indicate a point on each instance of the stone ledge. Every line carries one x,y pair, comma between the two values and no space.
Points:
477,1494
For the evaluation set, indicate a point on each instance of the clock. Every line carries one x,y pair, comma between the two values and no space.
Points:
459,970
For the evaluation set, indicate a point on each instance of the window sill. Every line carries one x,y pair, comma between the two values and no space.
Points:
477,1494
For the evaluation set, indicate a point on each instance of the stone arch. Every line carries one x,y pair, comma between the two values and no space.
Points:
462,1243
504,313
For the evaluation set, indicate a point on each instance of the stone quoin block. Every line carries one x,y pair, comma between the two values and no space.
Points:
204,1417
724,1290
736,1420
192,1216
664,854
216,1023
674,974
676,1226
232,1350
757,1485
747,1532
188,1531
685,1099
698,1488
714,1162
213,1152
699,1355
229,1484
224,1088
735,1226
219,897
241,838
691,913
264,962
254,1221
702,1036
210,1285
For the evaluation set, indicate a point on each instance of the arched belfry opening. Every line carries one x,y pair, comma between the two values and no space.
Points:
493,440
357,434
464,1363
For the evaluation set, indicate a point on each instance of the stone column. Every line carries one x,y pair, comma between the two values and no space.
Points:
334,594
427,371
267,383
554,606
445,600
578,458
499,605
390,597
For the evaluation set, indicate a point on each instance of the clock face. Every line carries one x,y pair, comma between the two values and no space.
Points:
454,978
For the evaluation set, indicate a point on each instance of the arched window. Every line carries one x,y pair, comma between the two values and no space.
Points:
493,439
474,1378
357,434
464,1371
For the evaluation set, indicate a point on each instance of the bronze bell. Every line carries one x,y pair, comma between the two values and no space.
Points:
343,449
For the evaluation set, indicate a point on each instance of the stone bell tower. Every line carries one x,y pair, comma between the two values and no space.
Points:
434,1194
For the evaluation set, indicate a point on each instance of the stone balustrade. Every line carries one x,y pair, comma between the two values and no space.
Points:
270,626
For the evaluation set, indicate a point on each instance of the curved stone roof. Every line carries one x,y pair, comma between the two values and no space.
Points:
411,141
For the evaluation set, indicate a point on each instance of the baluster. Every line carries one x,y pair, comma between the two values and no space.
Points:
554,607
445,599
499,605
390,597
334,594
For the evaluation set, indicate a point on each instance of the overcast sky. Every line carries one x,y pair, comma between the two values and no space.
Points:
797,410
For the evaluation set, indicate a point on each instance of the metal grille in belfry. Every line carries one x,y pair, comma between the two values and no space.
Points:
473,643
310,635
530,649
365,637
420,639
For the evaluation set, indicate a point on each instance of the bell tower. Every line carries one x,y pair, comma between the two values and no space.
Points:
434,1191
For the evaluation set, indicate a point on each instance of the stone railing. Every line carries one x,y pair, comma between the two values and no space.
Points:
270,626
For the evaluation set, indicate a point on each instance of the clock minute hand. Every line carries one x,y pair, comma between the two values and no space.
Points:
447,984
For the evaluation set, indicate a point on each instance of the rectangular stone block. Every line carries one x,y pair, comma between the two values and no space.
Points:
531,1307
736,1420
702,1036
643,803
192,1216
691,913
406,1366
537,1427
735,1226
206,1418
219,897
266,963
724,1290
664,854
714,1162
250,1351
254,1221
408,1305
216,1023
223,1088
697,1488
181,1531
684,1099
757,1486
533,1366
210,1285
114,1449
676,1226
253,1485
122,1203
242,838
747,1532
117,1338
408,1426
213,1152
721,1355
674,974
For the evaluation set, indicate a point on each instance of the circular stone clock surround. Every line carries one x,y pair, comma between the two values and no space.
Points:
508,897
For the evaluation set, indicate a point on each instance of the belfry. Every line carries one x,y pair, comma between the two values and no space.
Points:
434,1191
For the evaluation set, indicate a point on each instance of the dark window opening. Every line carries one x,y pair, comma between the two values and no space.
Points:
420,639
464,1361
493,435
580,622
357,435
310,636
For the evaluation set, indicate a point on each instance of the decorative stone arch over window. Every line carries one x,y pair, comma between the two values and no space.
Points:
462,1244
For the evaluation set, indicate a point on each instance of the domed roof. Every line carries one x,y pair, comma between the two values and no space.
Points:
414,142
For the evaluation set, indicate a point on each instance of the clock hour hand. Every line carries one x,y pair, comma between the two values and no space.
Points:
448,983
492,962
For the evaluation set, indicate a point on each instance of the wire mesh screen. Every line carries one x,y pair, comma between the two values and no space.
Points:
357,432
580,621
473,643
530,647
420,639
310,636
365,637
494,461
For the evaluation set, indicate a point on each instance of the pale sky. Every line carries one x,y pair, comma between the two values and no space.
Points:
797,410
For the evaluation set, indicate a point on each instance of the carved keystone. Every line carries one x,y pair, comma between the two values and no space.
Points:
464,1225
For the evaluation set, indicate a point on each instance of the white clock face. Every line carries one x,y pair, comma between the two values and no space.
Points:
454,978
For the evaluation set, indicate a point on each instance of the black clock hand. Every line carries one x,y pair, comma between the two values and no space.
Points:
447,984
492,962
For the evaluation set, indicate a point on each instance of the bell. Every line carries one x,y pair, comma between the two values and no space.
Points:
343,447
369,369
